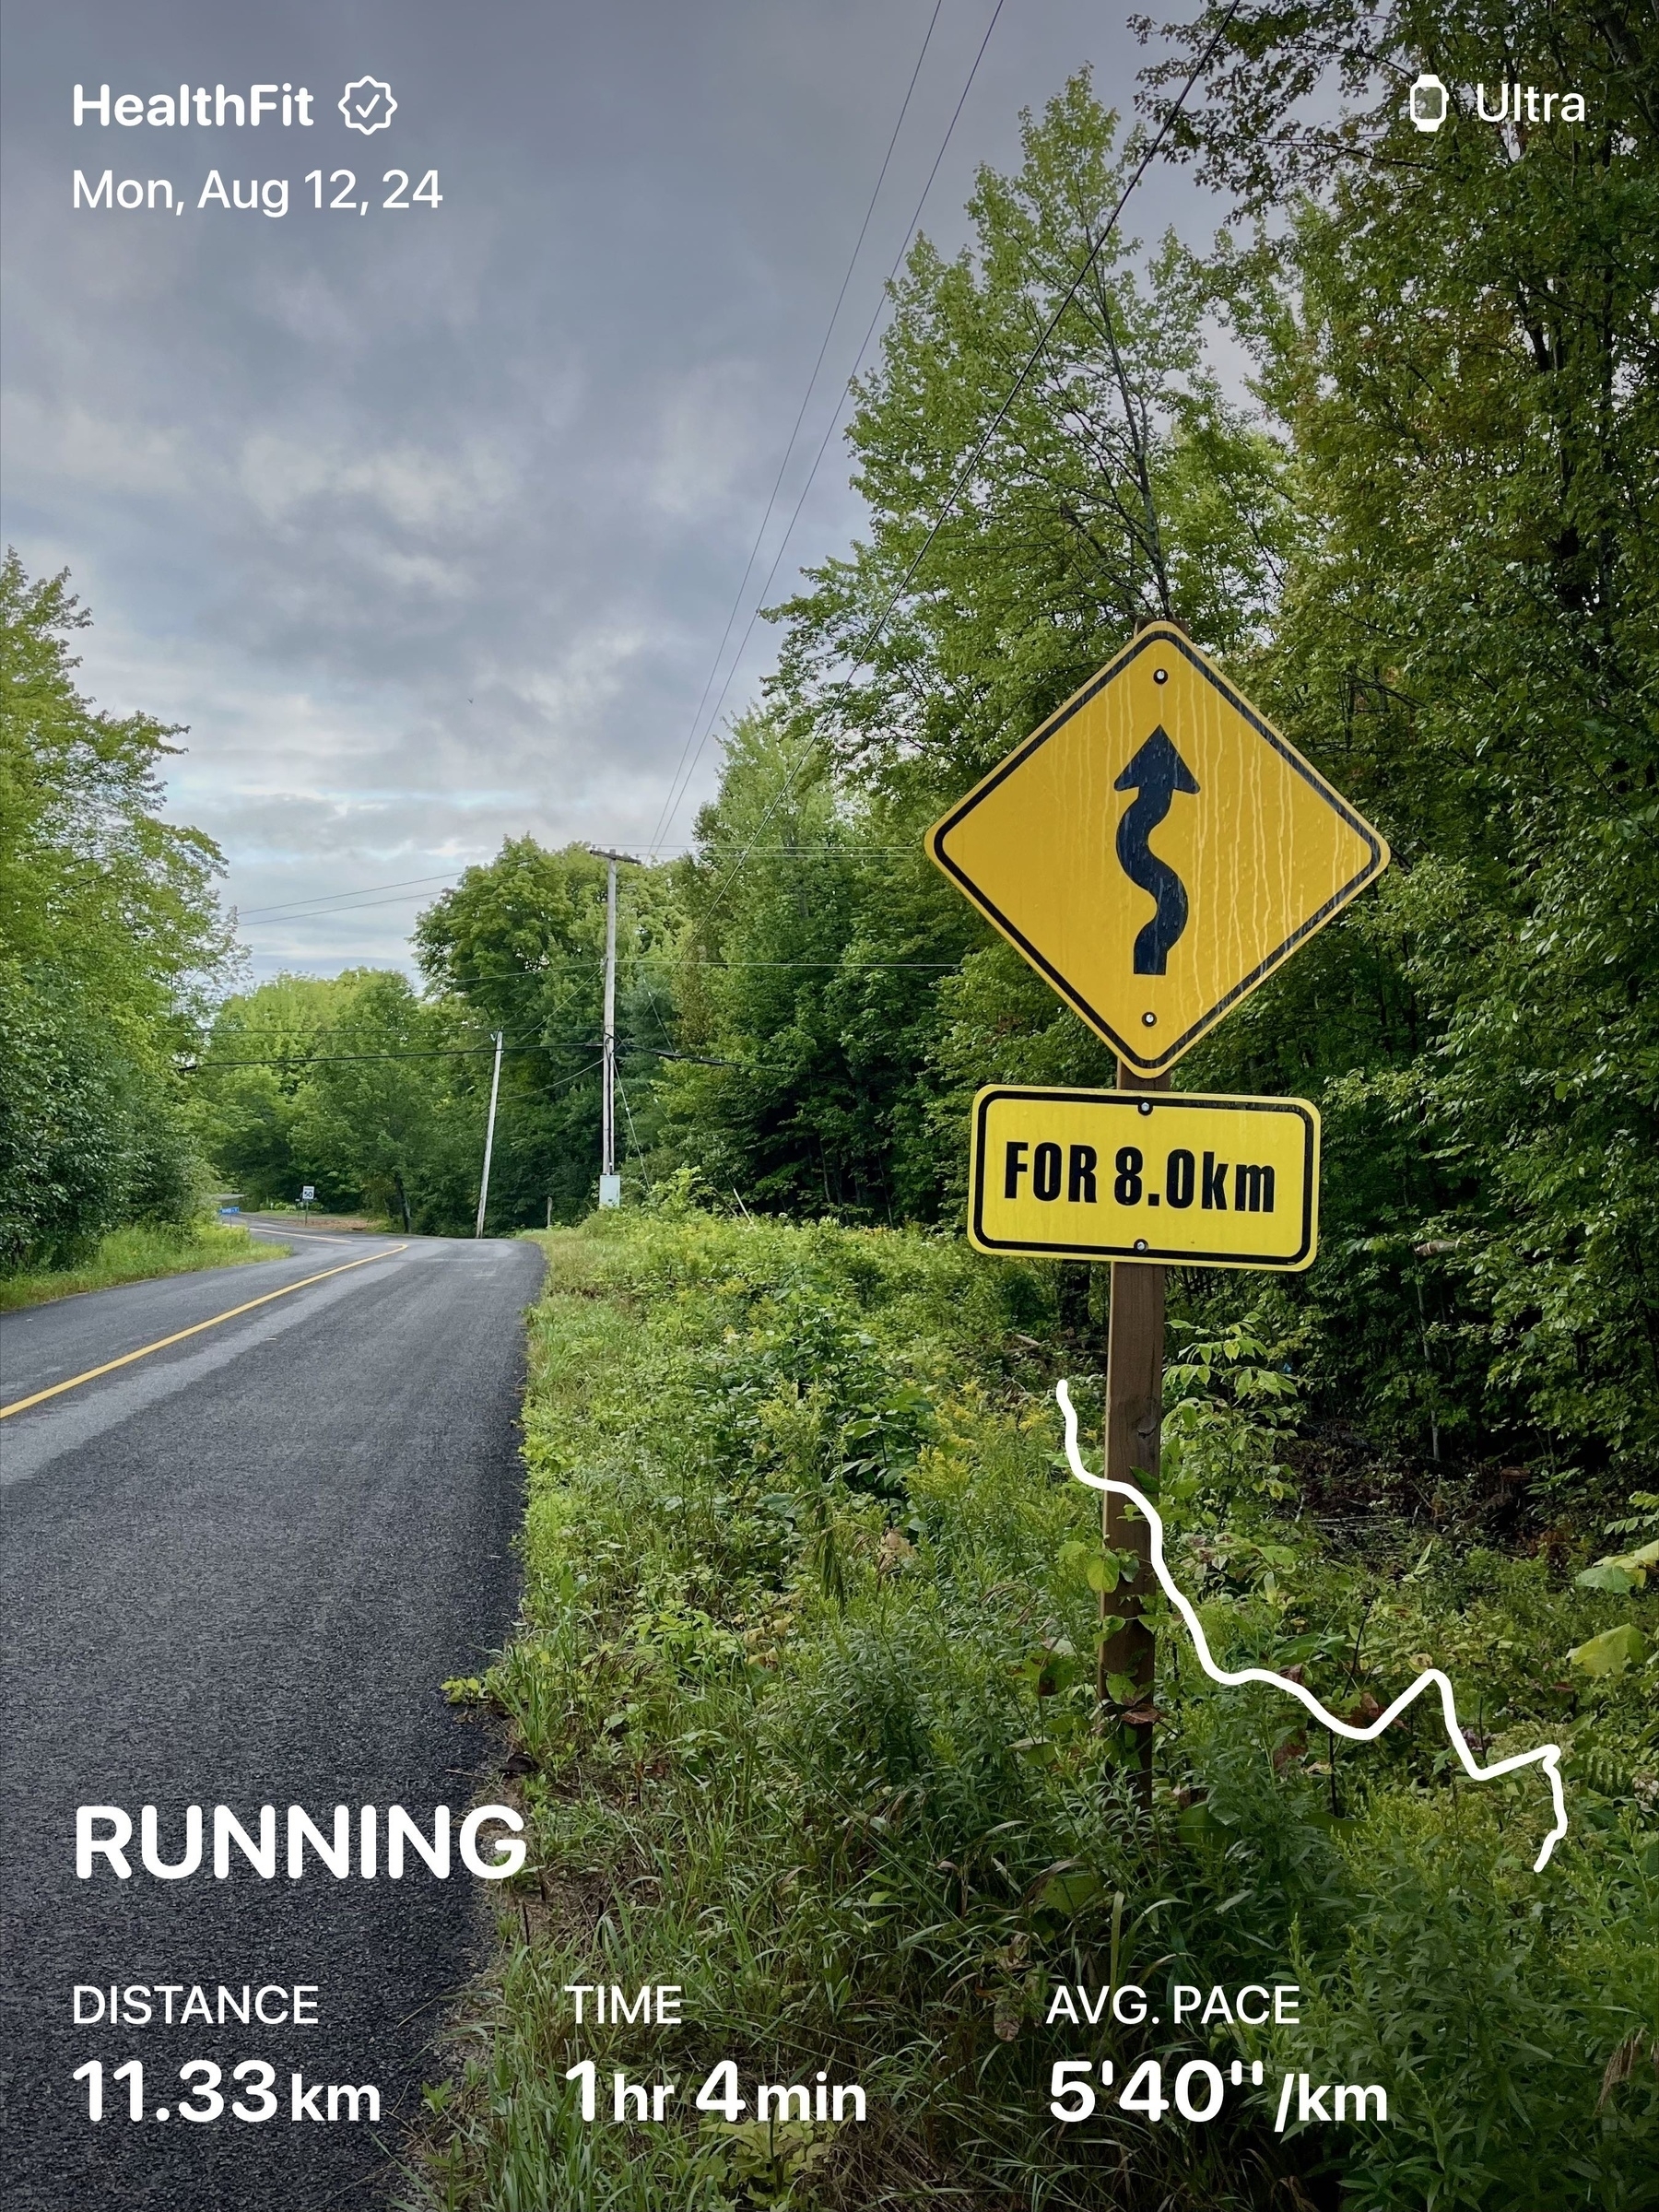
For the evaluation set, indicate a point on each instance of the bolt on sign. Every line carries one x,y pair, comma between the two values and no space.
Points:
1165,1176
1156,850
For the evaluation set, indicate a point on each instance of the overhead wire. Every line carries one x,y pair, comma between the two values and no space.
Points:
672,801
964,474
360,902
461,1052
342,1059
293,905
830,427
639,1151
661,960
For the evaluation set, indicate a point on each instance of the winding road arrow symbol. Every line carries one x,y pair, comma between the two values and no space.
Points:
1155,775
1153,916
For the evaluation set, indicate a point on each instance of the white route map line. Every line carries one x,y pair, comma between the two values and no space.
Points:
1547,1755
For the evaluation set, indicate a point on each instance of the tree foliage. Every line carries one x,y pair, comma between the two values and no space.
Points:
1118,482
353,1085
815,937
1428,547
520,945
110,938
1459,339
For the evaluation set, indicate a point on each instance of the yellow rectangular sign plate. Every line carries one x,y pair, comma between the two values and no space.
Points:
1175,1177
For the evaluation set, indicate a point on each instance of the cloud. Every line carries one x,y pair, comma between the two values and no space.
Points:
427,522
702,452
412,491
70,442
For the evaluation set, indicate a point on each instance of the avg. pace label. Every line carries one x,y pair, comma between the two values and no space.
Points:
1175,1177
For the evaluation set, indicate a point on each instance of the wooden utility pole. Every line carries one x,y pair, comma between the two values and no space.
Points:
495,1088
1135,1350
610,1188
607,1132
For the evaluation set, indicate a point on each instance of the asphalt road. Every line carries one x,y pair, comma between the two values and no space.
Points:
236,1571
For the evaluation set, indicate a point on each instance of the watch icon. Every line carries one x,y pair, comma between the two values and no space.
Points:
367,105
1428,102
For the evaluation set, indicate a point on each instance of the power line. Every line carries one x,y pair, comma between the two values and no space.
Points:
626,1048
594,965
633,1133
361,901
404,883
301,1057
459,1052
835,416
672,800
662,959
322,914
565,1082
835,966
337,1059
972,462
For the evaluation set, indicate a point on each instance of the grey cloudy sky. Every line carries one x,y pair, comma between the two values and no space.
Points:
428,522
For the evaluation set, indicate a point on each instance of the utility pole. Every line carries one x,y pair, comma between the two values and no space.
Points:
1134,1353
495,1085
610,1182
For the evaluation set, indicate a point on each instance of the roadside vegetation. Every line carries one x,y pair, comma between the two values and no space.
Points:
111,943
137,1253
803,1702
803,1705
803,1697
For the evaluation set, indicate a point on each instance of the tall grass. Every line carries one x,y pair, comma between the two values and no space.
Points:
137,1253
804,1689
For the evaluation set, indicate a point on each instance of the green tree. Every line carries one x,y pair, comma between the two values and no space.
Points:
352,1084
1457,335
519,946
816,935
1118,483
387,1110
257,1054
111,938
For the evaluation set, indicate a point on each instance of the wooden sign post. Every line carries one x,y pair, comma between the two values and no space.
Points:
1156,850
1144,1177
1134,1356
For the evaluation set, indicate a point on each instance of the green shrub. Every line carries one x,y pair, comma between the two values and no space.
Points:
805,1685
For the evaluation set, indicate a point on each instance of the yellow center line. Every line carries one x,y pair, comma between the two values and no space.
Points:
161,1343
306,1236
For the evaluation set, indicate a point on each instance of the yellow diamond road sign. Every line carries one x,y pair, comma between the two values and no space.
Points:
1153,1176
1156,849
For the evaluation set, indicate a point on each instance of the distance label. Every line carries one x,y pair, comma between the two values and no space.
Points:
1172,1177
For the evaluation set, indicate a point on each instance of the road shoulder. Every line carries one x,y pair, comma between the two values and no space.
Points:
139,1254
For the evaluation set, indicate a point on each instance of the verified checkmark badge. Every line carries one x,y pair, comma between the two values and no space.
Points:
367,105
